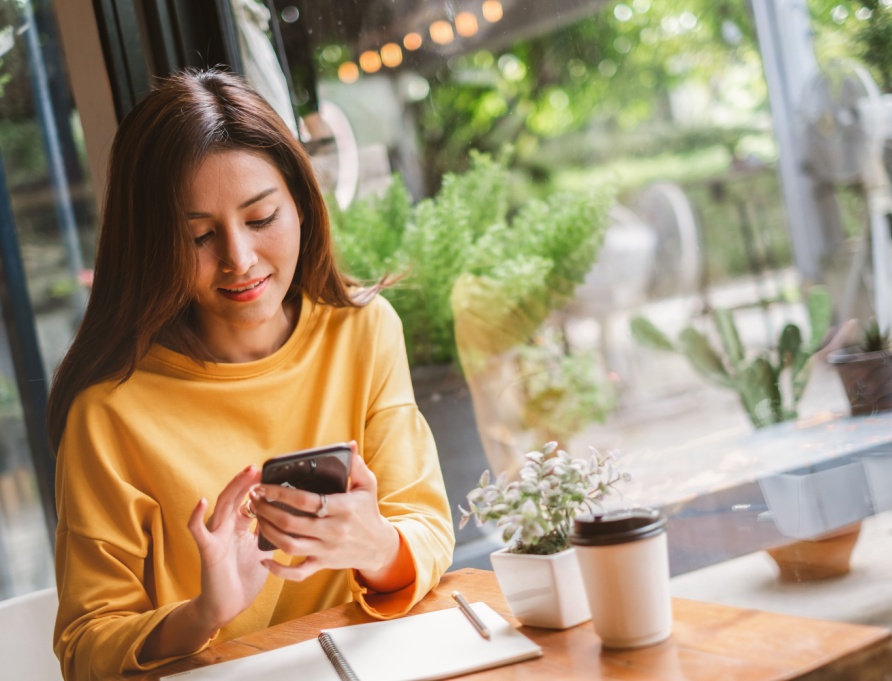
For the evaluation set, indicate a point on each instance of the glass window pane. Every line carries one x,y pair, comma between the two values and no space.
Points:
41,146
25,555
667,104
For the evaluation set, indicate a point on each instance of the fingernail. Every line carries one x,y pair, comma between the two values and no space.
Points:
249,468
258,493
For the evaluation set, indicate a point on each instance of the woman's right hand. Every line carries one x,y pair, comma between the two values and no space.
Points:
232,573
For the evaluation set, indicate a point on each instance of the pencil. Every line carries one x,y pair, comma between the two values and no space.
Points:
472,616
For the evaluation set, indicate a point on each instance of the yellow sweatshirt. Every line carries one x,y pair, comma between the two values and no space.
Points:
136,458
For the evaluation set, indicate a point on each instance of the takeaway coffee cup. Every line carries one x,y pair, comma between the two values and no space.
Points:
624,560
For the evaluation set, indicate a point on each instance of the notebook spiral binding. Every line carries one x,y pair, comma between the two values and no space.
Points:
336,658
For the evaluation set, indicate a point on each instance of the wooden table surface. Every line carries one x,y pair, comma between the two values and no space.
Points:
710,642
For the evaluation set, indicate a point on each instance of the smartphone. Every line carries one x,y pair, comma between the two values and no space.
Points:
323,470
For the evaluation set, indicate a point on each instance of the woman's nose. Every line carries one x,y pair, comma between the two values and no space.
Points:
237,251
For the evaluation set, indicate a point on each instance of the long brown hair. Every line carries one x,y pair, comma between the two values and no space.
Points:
146,259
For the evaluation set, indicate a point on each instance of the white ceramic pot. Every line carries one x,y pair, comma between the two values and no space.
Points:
542,591
811,501
878,470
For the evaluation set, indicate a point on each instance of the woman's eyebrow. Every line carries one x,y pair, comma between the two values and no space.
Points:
254,199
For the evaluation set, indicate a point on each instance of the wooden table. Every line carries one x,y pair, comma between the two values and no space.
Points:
710,642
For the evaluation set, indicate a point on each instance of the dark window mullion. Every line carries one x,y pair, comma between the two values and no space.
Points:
18,318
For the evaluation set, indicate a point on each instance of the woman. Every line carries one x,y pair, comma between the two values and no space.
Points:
219,333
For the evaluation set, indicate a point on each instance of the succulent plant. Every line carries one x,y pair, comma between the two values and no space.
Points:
873,339
770,383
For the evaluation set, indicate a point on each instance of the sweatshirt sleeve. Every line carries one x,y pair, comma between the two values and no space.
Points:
103,541
399,448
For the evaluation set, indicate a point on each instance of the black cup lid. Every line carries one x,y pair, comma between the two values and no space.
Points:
618,526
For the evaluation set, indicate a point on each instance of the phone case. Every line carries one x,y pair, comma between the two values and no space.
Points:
323,470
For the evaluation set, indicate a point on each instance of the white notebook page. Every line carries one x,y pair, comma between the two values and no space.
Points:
434,645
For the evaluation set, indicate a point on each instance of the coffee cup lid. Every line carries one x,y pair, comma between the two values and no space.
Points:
618,526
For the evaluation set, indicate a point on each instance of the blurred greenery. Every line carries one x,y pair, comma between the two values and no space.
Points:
511,268
23,154
643,91
9,397
855,29
564,388
611,75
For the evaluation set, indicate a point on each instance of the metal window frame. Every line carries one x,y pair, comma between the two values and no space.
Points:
30,375
155,38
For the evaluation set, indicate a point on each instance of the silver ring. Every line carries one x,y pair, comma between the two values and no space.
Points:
249,510
323,508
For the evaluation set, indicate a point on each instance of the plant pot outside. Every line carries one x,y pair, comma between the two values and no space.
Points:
809,560
866,377
821,507
809,502
543,591
878,470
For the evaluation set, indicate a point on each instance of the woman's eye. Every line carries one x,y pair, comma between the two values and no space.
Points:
204,238
265,222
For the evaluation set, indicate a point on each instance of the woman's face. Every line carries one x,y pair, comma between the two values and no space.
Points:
246,229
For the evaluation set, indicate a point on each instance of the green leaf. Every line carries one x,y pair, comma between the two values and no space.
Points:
703,357
788,347
644,331
724,322
820,313
759,392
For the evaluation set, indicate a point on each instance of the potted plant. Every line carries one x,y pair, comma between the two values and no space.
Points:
866,370
538,572
770,383
531,260
806,504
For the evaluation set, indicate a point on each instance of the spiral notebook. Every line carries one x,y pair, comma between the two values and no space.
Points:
434,645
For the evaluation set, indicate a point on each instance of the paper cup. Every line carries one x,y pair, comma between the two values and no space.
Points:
624,559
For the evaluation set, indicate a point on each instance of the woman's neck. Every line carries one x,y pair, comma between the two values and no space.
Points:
236,346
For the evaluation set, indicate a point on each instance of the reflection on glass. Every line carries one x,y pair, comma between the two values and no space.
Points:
669,107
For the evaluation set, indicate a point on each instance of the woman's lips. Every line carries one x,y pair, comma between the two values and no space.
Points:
245,293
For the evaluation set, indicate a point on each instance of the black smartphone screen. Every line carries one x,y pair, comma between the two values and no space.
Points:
323,470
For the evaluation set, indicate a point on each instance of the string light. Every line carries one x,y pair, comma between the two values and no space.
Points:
412,41
441,32
370,61
492,11
465,24
391,55
348,72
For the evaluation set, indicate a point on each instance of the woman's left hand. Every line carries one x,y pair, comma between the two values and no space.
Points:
352,533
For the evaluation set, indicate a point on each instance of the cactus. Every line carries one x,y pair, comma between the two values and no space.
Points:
873,339
769,384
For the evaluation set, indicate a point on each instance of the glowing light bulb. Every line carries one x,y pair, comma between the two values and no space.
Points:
441,32
465,24
348,72
391,55
370,61
492,11
412,41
